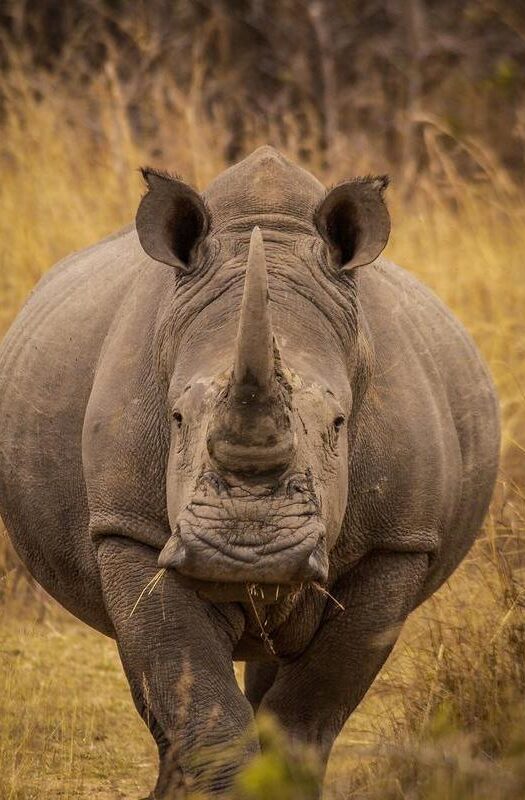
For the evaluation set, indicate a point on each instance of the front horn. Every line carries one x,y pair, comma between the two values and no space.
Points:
251,432
254,364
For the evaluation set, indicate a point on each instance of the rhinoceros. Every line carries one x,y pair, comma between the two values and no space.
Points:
233,431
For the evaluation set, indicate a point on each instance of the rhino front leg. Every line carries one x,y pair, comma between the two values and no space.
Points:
177,654
313,695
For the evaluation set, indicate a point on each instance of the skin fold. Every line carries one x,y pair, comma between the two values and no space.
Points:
240,391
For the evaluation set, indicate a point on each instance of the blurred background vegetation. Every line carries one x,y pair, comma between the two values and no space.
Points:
434,93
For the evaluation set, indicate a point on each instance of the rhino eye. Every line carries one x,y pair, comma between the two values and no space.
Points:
339,421
177,418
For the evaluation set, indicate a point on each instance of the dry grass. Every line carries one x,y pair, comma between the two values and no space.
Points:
65,712
445,719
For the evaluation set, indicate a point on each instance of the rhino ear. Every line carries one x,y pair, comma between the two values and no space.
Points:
171,219
354,220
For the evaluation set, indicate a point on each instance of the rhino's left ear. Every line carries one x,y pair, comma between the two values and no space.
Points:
354,220
171,219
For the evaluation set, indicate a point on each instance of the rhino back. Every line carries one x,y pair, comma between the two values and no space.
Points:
47,363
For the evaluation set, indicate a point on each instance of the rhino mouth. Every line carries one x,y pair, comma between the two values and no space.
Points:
262,540
266,594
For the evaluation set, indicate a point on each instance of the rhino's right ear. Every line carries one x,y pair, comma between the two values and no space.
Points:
171,219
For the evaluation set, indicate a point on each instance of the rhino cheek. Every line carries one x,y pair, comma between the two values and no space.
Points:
181,477
333,495
341,496
336,512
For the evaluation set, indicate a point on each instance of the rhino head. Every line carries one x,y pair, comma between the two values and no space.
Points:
265,359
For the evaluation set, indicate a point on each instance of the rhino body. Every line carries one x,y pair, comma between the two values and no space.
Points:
227,391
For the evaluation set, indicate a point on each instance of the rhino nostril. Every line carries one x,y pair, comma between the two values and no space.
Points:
297,484
215,481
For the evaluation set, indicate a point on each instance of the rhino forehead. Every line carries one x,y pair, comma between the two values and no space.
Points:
264,183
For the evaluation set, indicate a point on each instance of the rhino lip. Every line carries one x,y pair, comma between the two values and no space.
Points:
238,533
198,557
287,562
173,556
250,552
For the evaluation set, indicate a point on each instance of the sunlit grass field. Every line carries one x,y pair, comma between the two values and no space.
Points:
446,718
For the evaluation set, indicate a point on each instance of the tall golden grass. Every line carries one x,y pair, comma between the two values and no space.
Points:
445,719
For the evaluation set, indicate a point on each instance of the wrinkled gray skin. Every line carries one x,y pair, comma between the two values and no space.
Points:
343,432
